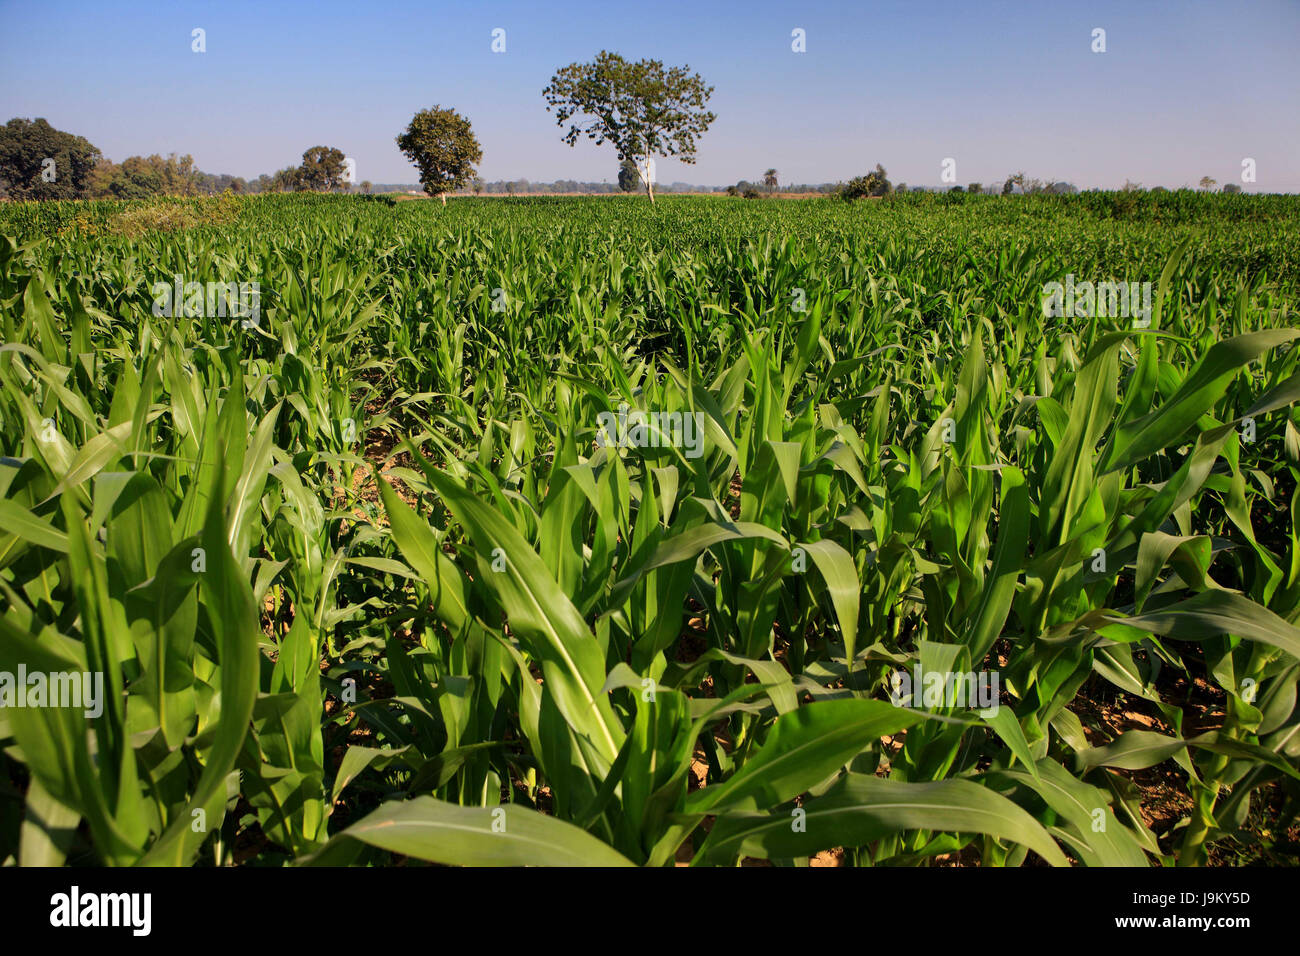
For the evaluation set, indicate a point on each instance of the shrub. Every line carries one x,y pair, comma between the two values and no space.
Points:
174,215
874,183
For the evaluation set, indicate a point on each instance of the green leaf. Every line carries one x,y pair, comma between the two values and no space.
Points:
1104,841
1204,385
18,521
440,832
540,613
841,577
861,809
803,749
233,615
1212,614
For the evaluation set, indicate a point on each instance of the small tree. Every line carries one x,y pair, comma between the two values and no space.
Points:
875,183
627,176
477,186
1207,183
322,169
286,180
880,185
443,147
133,178
769,180
365,186
642,108
178,175
975,188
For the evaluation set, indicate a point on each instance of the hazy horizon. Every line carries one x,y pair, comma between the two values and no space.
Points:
1184,90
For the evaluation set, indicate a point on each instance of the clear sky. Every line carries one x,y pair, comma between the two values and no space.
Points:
1186,88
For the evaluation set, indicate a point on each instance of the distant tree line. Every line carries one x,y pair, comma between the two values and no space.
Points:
876,184
38,161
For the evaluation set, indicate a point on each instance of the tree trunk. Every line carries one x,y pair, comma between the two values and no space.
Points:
650,190
443,197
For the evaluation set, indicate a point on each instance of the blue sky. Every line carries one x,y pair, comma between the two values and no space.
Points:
1184,89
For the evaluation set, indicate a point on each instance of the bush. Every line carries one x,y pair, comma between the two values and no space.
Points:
875,183
174,216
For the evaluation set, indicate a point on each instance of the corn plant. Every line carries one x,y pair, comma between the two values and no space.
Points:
569,533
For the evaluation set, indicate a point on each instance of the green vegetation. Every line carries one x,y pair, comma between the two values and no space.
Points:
362,578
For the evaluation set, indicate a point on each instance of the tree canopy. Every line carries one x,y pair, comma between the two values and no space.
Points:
442,145
38,161
874,183
322,169
643,108
139,177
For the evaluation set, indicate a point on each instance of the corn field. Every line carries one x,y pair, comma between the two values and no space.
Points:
586,532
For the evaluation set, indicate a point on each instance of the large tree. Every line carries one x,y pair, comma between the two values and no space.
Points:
443,147
38,161
769,180
322,169
642,108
